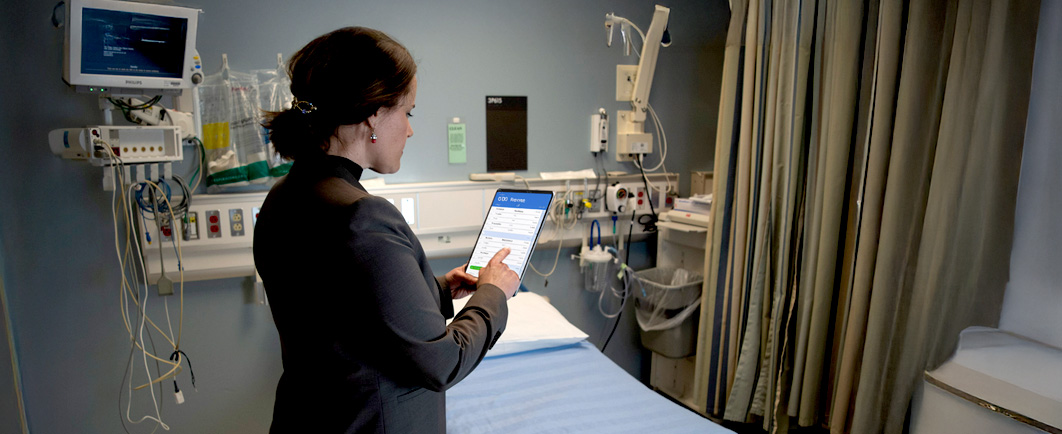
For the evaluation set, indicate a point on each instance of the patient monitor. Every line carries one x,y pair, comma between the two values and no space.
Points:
124,47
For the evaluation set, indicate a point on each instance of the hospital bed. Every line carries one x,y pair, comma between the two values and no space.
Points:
542,376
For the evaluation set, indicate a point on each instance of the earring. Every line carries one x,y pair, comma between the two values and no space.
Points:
373,137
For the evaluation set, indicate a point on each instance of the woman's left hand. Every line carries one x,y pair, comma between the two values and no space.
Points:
461,283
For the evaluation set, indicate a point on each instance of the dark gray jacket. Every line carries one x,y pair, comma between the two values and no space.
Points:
360,315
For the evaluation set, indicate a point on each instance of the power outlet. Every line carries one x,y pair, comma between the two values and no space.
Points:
213,223
641,200
236,223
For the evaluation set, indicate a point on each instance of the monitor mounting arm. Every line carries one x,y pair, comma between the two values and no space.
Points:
632,140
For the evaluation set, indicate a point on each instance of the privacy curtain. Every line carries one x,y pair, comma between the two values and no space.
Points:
867,162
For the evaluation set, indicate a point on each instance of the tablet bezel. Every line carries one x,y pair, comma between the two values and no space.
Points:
534,242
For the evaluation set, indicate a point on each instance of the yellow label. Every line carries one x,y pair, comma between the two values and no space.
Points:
216,135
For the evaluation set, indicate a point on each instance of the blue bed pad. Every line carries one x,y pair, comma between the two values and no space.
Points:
570,389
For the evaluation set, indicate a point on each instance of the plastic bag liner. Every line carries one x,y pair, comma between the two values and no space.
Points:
666,297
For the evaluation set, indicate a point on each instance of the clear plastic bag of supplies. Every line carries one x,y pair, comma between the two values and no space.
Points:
274,95
235,151
665,297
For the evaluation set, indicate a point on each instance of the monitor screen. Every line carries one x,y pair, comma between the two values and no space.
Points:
132,44
130,48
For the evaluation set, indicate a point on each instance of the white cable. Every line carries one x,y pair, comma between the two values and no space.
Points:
147,368
636,51
559,229
143,320
663,139
622,295
166,303
631,23
116,181
116,167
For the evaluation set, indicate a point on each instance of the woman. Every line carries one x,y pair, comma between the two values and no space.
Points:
360,315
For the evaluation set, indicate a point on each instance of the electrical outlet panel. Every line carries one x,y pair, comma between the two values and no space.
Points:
165,228
236,223
213,223
641,200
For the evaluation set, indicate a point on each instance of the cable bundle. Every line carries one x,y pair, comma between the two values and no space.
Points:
153,199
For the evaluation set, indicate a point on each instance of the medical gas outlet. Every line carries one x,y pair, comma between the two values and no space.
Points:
616,198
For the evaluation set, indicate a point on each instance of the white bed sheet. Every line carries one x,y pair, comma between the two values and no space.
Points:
569,389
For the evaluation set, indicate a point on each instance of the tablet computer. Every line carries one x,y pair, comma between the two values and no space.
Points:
514,220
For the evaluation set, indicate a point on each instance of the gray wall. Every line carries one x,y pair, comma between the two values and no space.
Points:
1034,294
56,239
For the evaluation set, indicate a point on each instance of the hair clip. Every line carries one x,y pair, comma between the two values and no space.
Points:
303,106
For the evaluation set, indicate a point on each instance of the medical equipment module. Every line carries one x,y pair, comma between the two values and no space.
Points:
105,50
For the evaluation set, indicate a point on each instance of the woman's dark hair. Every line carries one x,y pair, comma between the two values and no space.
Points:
346,75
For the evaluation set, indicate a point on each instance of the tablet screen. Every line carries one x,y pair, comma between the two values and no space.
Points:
514,220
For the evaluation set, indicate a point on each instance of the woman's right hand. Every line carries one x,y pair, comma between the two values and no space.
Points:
498,274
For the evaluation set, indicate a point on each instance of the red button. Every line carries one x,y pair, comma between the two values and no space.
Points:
213,219
214,228
640,194
639,201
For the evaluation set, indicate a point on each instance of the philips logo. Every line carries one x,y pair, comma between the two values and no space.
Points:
134,82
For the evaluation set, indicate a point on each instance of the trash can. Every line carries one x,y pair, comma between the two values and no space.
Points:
666,303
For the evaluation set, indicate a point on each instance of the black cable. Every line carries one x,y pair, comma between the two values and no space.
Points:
597,176
175,357
607,182
614,326
55,18
126,106
650,224
630,231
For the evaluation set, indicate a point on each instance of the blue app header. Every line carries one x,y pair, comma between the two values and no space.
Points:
511,199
